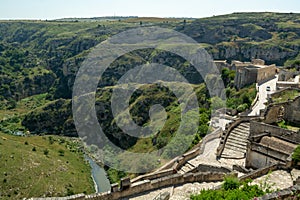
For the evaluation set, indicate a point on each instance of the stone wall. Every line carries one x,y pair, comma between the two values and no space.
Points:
258,129
260,172
244,76
147,185
254,72
266,73
288,193
290,109
281,84
209,168
261,154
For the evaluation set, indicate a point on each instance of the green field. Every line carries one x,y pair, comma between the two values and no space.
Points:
27,170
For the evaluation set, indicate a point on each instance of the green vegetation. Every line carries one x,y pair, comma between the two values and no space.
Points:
285,96
296,155
27,172
241,99
233,189
289,125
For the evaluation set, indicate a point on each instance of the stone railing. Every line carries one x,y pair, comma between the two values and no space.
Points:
147,185
260,172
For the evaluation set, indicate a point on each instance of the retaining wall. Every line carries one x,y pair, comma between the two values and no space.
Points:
288,193
258,128
259,172
147,185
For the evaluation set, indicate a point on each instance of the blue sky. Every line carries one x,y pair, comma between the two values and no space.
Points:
53,9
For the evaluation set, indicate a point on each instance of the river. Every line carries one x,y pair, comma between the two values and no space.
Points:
102,183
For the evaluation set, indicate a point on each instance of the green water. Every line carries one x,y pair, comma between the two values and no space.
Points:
99,176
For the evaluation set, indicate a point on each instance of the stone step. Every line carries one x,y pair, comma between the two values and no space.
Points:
231,151
237,137
236,148
190,165
232,154
182,171
246,125
238,129
237,143
235,151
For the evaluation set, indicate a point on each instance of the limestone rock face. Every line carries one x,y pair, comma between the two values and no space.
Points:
271,54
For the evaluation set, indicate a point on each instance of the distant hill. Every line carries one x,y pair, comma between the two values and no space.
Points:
274,37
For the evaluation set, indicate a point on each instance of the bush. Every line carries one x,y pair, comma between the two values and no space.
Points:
46,152
296,154
242,107
61,152
26,143
282,124
231,183
33,149
232,189
51,140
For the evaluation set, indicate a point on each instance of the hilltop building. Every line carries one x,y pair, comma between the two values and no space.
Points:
252,72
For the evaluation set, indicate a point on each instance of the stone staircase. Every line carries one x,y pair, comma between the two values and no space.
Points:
236,144
185,168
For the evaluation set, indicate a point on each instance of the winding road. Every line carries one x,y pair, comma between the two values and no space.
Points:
263,95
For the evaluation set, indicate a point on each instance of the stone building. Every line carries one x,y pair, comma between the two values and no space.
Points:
252,72
269,144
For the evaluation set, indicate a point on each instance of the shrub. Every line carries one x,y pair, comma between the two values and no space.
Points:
232,189
46,152
61,152
33,149
296,154
26,143
242,107
231,183
51,140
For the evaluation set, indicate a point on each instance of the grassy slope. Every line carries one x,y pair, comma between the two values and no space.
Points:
28,173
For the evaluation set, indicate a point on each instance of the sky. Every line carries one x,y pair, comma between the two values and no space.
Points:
56,9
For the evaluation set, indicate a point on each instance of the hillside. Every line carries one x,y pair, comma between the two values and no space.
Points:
273,37
39,166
